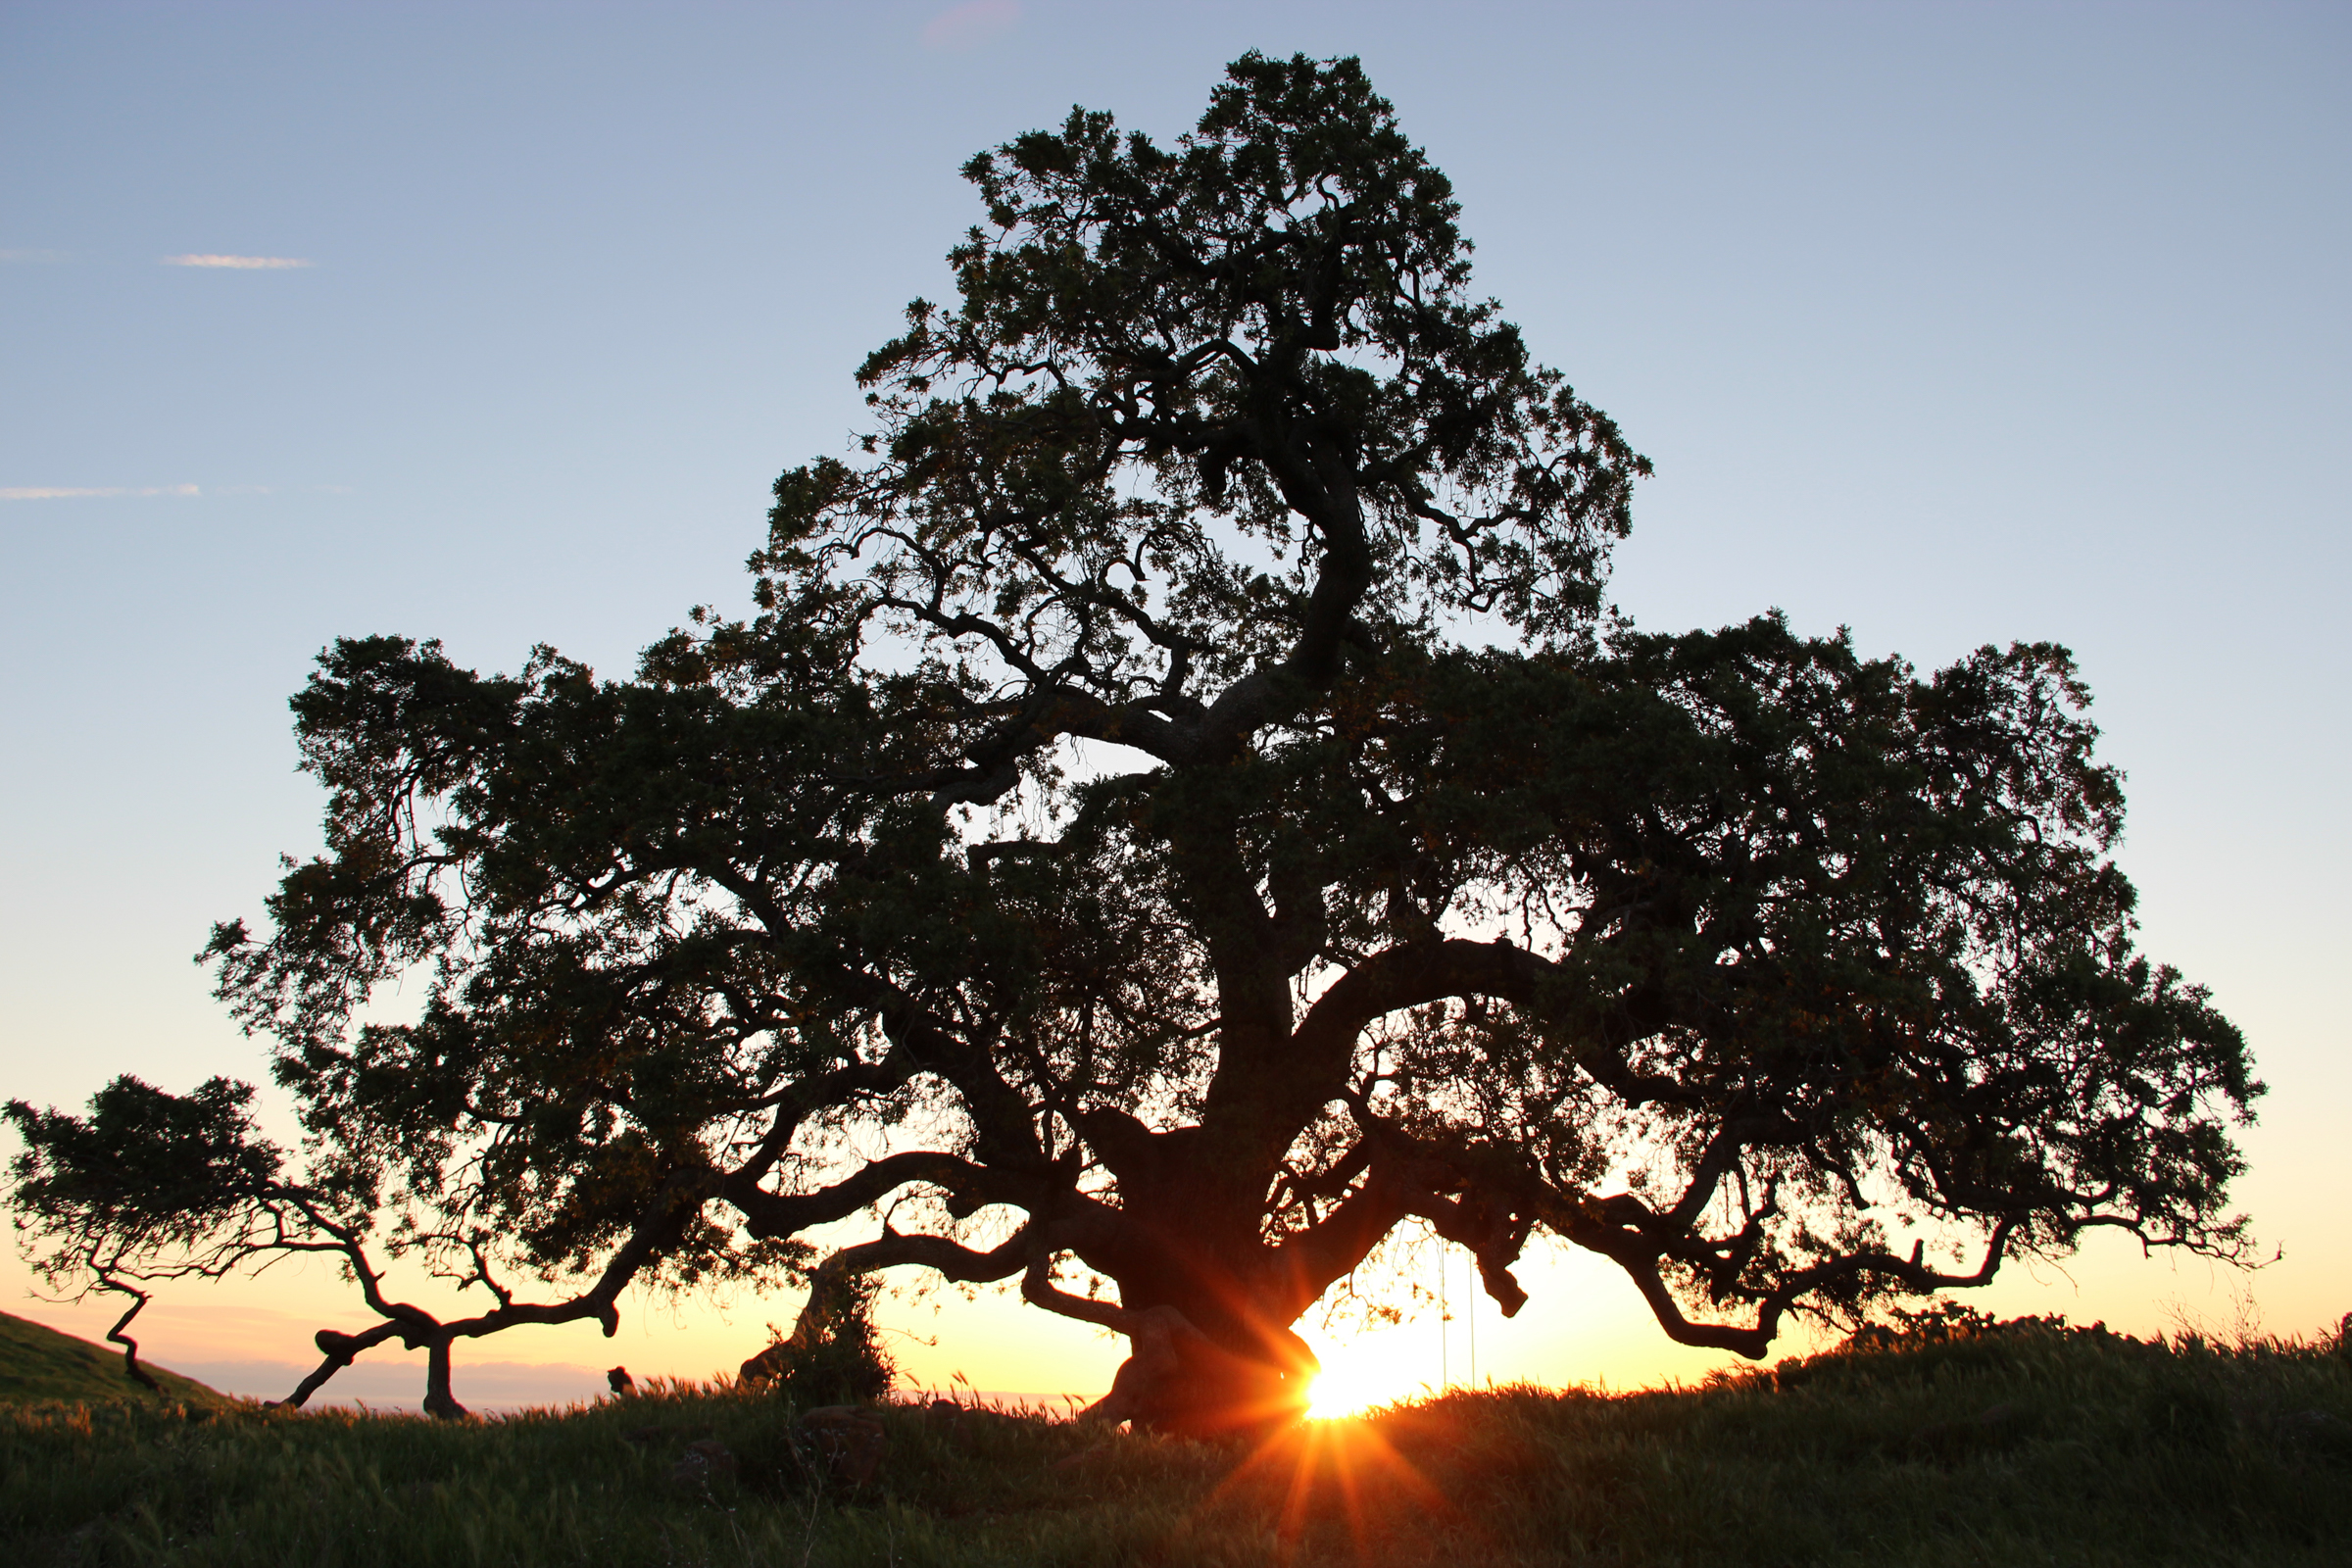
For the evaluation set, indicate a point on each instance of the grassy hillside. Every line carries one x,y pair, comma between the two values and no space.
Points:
39,1363
2025,1445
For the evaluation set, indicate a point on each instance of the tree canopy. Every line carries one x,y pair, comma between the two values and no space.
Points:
1179,812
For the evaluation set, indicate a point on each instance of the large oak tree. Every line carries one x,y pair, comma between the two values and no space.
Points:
1179,814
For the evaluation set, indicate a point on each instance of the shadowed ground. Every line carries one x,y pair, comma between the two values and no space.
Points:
2025,1444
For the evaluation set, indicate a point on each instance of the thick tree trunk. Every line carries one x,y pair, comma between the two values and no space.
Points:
1212,1352
1207,1310
1179,1381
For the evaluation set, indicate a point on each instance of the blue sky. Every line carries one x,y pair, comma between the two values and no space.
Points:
1951,323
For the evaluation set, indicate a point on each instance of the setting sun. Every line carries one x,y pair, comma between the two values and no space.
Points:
1368,1370
1331,1396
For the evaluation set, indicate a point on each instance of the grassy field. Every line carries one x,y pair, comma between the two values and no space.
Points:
38,1363
2025,1445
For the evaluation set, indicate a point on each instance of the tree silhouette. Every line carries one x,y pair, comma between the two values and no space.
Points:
1177,814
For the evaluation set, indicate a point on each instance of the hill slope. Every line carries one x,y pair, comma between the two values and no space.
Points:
40,1364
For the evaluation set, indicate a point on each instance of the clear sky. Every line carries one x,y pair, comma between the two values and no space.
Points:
1950,323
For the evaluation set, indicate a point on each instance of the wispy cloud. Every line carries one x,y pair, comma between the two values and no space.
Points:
60,492
242,262
970,24
32,256
39,492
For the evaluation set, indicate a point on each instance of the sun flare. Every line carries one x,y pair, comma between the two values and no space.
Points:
1358,1376
1332,1396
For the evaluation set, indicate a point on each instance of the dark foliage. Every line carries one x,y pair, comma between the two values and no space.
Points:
841,1360
1179,814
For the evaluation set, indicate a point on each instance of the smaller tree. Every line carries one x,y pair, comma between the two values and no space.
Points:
152,1187
834,1355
